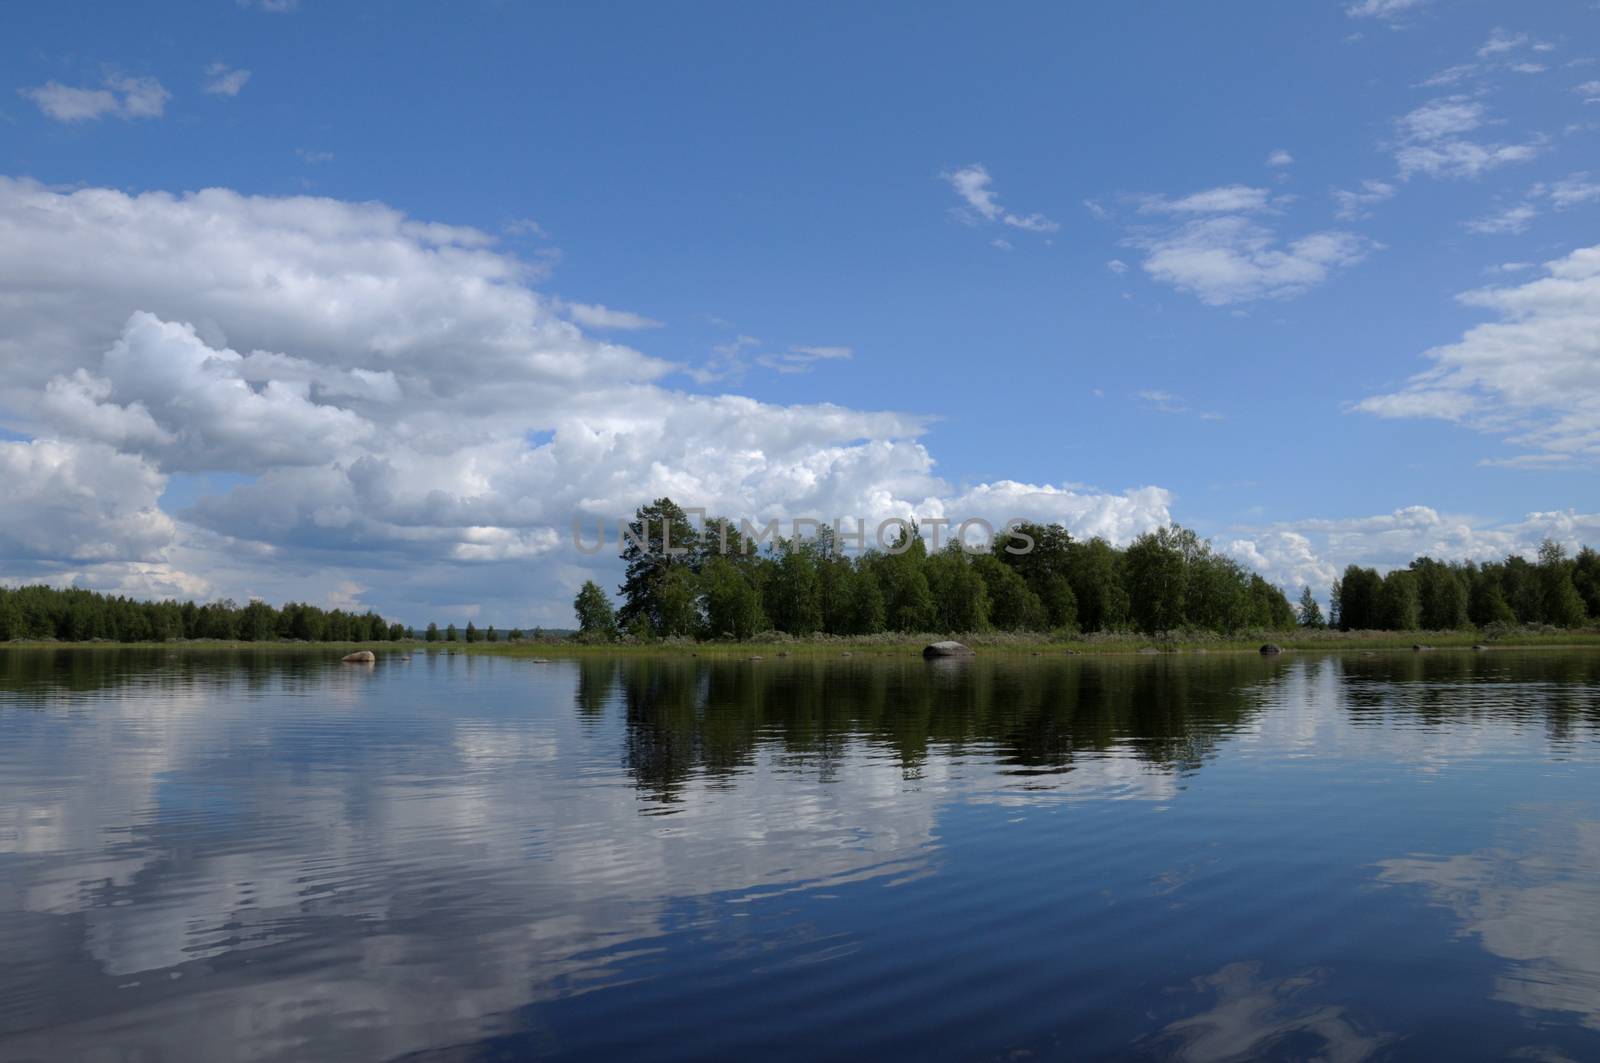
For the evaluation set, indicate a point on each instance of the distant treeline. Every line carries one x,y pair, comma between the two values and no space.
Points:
1034,577
716,584
1558,590
75,615
473,633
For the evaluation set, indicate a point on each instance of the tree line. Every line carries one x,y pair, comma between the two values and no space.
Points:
472,633
715,583
1556,589
75,615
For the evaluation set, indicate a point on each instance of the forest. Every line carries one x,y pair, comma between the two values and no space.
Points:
1165,581
1556,590
717,584
76,615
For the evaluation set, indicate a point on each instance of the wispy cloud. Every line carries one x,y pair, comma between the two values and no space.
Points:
1225,200
1280,157
1571,191
727,360
1358,203
734,358
1512,219
1433,141
314,158
525,227
1166,402
1500,41
976,189
801,359
1382,9
1497,54
223,80
596,316
121,97
1574,190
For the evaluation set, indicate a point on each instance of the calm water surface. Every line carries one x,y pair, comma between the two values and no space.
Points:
214,857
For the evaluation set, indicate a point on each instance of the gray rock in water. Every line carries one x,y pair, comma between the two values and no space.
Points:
1271,648
361,657
946,649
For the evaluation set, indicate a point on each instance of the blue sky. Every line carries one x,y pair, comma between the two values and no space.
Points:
1193,247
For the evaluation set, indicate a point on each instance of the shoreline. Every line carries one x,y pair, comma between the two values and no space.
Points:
984,645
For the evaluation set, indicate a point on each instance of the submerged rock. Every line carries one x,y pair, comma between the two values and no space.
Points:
946,649
361,657
1268,649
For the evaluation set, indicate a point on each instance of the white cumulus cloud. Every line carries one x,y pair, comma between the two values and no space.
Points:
1314,551
1532,377
390,403
1232,259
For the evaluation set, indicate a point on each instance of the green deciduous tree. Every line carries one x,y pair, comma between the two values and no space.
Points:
1358,599
596,619
1157,579
733,605
1399,605
1563,606
960,600
791,596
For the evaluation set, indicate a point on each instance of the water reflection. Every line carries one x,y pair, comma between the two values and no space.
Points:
686,719
1252,1017
1534,901
208,856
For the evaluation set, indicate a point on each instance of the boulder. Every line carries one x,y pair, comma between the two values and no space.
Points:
361,657
1270,648
946,649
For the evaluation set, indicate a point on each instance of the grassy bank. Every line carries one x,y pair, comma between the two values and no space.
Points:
903,645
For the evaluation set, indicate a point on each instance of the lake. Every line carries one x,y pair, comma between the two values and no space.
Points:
217,855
